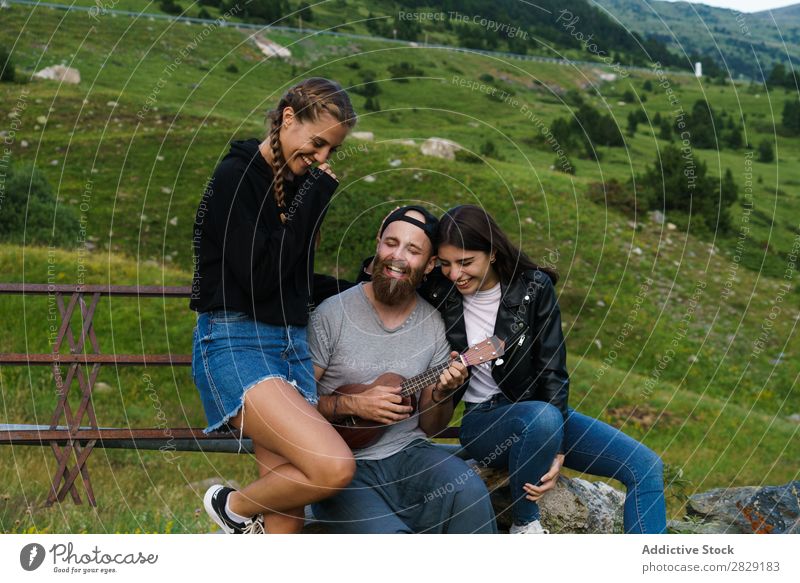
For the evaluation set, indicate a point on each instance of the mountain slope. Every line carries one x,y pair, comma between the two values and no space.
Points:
745,44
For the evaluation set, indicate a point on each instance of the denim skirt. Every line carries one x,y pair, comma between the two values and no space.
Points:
232,353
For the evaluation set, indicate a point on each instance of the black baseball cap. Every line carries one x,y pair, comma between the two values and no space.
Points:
429,226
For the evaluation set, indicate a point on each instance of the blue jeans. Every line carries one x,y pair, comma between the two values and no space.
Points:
421,488
525,437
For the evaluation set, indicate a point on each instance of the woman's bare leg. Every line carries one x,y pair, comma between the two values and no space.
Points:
291,521
277,418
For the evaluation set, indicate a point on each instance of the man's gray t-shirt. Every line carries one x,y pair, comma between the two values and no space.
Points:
348,339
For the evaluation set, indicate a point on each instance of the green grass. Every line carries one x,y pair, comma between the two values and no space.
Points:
724,398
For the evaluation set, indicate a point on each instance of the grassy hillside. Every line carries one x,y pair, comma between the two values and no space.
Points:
687,338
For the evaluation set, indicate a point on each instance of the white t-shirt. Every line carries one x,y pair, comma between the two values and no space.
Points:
480,315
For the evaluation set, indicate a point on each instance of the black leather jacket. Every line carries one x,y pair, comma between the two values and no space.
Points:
529,320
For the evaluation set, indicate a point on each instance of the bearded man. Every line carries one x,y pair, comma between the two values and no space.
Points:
403,482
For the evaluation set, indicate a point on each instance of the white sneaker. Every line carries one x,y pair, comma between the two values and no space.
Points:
214,502
534,527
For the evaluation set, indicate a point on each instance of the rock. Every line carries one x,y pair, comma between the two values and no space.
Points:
395,163
60,73
365,136
270,48
691,527
657,217
751,509
369,178
573,506
440,148
100,387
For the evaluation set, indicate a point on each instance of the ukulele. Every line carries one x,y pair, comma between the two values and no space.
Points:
359,433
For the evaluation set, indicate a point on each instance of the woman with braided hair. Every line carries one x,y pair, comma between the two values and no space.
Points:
253,282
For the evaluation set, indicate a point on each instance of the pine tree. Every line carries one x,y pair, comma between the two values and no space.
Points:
791,116
765,152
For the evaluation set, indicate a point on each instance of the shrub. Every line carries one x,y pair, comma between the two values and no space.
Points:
170,7
614,194
7,69
30,212
404,69
488,149
372,104
791,116
676,183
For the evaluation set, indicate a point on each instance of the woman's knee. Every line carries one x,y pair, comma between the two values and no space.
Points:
649,464
539,417
335,472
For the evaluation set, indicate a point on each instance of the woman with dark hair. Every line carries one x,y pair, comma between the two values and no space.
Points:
489,286
254,254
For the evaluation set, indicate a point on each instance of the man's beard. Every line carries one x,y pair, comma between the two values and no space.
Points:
391,291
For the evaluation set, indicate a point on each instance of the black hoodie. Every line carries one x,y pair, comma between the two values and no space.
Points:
245,258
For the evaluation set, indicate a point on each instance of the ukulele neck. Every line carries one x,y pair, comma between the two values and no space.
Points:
422,380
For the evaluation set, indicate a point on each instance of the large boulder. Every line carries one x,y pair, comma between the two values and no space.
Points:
749,509
573,506
270,48
60,73
440,148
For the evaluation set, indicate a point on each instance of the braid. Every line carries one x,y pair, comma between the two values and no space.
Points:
278,162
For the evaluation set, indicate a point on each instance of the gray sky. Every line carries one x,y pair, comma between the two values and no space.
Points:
745,5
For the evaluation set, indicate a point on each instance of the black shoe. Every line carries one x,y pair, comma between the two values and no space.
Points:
215,500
